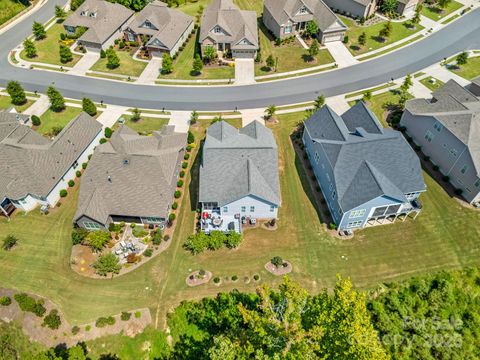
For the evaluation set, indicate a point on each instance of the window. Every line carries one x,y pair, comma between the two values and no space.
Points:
357,213
252,208
23,202
464,169
437,126
148,24
131,37
225,209
272,208
75,164
303,10
354,224
429,136
317,157
91,225
93,14
453,152
152,220
217,30
334,194
288,29
244,208
477,183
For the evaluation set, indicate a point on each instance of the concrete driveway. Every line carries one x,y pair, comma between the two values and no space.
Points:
244,71
340,53
85,63
151,72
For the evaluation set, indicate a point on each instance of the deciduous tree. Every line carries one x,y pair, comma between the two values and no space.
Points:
38,31
16,92
57,102
30,49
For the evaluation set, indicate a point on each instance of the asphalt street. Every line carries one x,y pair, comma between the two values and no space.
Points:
462,34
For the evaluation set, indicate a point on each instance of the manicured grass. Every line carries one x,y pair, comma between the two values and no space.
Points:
393,48
10,8
432,85
399,31
48,48
5,103
182,66
358,93
128,65
146,125
436,13
468,71
191,8
51,119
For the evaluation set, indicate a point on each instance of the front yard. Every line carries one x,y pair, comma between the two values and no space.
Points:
128,65
144,126
399,31
48,49
10,8
52,121
436,13
432,83
468,71
5,103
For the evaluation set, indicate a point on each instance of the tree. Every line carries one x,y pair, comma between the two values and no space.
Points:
367,96
107,264
193,117
407,83
16,92
38,31
277,261
89,107
9,242
314,49
190,138
443,3
108,133
416,18
270,111
35,120
65,54
389,6
311,29
136,115
462,58
98,239
197,64
113,61
362,39
270,61
52,320
319,102
59,12
386,30
30,49
403,99
57,102
167,64
209,53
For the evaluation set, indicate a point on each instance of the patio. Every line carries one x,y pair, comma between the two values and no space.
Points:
129,244
213,221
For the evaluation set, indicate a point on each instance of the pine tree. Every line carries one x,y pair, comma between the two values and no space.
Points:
39,31
313,49
462,58
89,107
65,54
57,102
30,49
16,92
362,39
197,64
59,12
167,64
113,60
319,102
270,61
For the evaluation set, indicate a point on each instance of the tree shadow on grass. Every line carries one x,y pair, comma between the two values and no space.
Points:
195,179
354,47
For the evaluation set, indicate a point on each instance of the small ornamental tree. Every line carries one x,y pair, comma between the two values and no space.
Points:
277,261
209,53
314,49
190,138
30,49
319,102
98,239
462,58
136,115
59,12
167,64
362,39
386,31
416,18
16,92
52,320
270,111
311,29
108,132
113,61
107,264
65,54
57,102
389,6
9,242
193,117
197,65
35,120
89,107
443,3
38,31
270,62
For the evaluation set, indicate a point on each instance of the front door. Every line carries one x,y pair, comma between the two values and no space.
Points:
220,47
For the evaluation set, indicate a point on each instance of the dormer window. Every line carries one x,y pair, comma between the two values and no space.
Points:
84,13
303,10
93,15
217,30
147,24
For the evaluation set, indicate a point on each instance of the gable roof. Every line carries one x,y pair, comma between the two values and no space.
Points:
109,18
33,164
236,25
365,158
170,24
458,110
239,163
285,10
131,175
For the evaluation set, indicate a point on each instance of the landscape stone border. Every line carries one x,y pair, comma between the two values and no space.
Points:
279,271
195,281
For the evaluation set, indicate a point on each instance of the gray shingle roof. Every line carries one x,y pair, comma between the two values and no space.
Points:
32,164
238,163
237,25
169,24
109,17
131,175
367,161
284,10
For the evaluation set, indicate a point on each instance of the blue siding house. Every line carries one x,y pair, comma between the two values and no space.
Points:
368,175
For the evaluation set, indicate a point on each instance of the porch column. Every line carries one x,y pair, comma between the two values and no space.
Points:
4,212
416,214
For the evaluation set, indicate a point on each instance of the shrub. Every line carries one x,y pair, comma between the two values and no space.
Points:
78,173
52,320
139,232
180,183
166,238
177,194
108,133
84,165
276,261
89,107
16,92
103,141
186,156
175,206
216,280
200,242
184,165
157,237
446,178
35,120
189,148
436,167
332,226
233,240
132,258
103,55
63,193
29,304
71,183
190,138
256,277
234,278
171,217
125,316
104,321
75,330
78,235
182,174
97,239
9,242
138,314
148,252
5,300
458,191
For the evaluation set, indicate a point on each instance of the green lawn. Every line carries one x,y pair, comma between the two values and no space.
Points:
48,48
128,65
182,66
191,7
146,125
470,70
5,103
399,32
432,85
10,8
51,119
436,13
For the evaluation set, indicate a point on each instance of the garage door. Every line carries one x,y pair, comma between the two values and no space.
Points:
243,54
333,37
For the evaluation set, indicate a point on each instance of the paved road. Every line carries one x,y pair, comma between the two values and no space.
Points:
460,35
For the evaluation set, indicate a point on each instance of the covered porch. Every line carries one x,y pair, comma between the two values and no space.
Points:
6,208
212,220
411,210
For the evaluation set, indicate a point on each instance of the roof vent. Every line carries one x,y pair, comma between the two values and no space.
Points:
109,178
126,162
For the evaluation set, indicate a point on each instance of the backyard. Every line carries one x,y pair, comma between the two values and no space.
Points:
128,65
50,119
48,49
400,30
145,126
10,8
468,71
436,13
5,103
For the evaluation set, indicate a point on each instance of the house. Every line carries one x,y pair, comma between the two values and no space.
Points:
366,8
163,29
228,29
33,168
285,18
131,178
104,23
368,175
447,128
238,176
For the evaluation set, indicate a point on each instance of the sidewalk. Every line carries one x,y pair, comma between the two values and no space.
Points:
181,121
251,115
85,63
110,115
39,106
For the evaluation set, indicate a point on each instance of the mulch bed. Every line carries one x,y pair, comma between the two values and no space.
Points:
279,271
193,280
